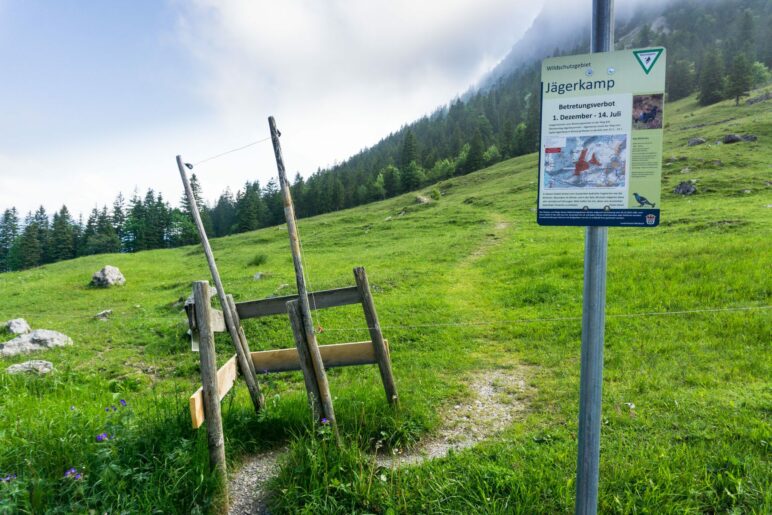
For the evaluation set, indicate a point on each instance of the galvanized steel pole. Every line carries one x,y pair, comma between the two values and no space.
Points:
593,316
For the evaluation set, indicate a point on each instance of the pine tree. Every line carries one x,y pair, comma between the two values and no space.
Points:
680,79
391,180
711,79
409,151
474,160
9,232
62,241
43,231
29,253
740,78
412,176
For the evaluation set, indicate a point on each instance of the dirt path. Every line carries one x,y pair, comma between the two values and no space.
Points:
496,399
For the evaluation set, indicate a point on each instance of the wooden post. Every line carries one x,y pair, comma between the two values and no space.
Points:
305,309
306,365
243,358
214,432
379,346
242,336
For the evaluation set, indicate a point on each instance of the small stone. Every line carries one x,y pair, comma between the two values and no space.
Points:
731,138
686,169
717,162
257,276
17,326
749,137
108,276
685,188
747,192
37,340
420,199
35,366
693,142
387,219
104,315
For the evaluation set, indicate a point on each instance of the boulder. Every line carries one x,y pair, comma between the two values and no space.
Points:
36,366
37,340
257,276
693,142
18,326
108,276
749,137
685,188
420,199
731,138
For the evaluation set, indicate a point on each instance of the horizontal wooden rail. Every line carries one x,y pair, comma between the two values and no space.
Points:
317,300
283,360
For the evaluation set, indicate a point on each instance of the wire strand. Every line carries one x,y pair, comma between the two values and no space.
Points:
231,151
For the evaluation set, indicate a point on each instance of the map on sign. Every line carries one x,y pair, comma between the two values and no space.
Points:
600,159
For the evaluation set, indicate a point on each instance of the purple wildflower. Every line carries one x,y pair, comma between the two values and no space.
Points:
113,408
325,421
78,475
8,478
107,409
71,472
101,437
123,403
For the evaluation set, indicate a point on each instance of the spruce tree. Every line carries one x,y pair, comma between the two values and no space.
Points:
9,232
711,79
62,241
409,151
740,78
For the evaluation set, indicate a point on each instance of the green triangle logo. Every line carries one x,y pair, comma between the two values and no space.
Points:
648,57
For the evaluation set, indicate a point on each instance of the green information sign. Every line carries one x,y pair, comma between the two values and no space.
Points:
600,157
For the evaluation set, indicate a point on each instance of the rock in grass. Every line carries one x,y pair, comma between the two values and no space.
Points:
685,188
420,199
693,142
108,276
37,340
749,137
104,315
37,366
731,138
18,326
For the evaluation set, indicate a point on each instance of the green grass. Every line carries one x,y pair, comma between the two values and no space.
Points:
465,284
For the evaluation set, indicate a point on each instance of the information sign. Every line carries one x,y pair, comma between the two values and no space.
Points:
600,156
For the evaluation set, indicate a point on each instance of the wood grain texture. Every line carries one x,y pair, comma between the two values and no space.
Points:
317,300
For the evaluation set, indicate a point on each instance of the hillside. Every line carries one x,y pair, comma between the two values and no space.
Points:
465,285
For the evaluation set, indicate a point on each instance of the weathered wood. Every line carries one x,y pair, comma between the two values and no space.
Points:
243,359
305,309
303,360
242,336
211,399
379,344
333,356
226,378
284,360
317,300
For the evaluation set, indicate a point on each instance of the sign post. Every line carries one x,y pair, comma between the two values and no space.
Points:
600,165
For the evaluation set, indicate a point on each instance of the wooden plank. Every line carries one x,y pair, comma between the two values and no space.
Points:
242,336
317,300
218,321
380,348
226,378
337,355
284,360
211,401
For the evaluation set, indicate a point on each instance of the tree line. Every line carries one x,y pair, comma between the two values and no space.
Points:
718,49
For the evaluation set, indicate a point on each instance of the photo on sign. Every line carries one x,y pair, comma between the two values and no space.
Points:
586,161
647,111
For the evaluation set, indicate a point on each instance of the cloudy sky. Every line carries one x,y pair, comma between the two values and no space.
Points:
98,97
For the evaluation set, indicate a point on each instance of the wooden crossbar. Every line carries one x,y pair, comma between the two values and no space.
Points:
317,300
283,360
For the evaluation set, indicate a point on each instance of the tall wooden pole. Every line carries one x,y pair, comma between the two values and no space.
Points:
593,317
243,356
211,396
305,308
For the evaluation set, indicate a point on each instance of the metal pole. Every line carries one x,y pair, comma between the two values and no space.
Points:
305,308
243,357
593,317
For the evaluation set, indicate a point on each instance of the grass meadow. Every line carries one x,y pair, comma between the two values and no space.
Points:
463,285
